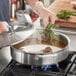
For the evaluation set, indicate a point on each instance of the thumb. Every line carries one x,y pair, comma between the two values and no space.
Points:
45,21
52,19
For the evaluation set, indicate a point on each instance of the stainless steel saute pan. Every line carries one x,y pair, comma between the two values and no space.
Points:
39,58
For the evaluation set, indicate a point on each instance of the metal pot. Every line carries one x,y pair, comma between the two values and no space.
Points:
41,59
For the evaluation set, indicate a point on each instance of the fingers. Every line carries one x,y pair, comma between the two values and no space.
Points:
1,28
49,19
4,26
45,22
73,4
53,18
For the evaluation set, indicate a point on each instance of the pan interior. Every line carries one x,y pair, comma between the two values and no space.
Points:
40,49
39,46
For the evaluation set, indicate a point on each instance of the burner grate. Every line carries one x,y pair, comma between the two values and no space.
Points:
17,71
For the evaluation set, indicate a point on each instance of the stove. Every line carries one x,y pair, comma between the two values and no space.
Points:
64,68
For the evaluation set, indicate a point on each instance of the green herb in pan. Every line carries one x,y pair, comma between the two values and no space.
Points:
49,31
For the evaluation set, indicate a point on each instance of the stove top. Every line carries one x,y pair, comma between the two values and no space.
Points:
64,68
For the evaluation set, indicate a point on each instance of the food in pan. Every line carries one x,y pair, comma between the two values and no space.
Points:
42,45
48,30
39,46
47,50
39,49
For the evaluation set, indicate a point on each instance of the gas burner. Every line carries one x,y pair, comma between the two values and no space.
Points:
64,68
54,68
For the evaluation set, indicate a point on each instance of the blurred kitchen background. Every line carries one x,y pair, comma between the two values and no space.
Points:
16,5
12,8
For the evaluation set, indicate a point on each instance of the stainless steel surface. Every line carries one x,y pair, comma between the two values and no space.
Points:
20,32
44,59
5,57
6,39
18,26
12,10
71,34
66,30
22,4
23,15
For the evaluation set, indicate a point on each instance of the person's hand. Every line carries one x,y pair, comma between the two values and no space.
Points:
74,4
3,27
46,15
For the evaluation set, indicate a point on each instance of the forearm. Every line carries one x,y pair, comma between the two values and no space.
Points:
43,12
37,6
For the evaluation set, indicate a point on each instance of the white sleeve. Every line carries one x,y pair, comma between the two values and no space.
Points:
38,7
